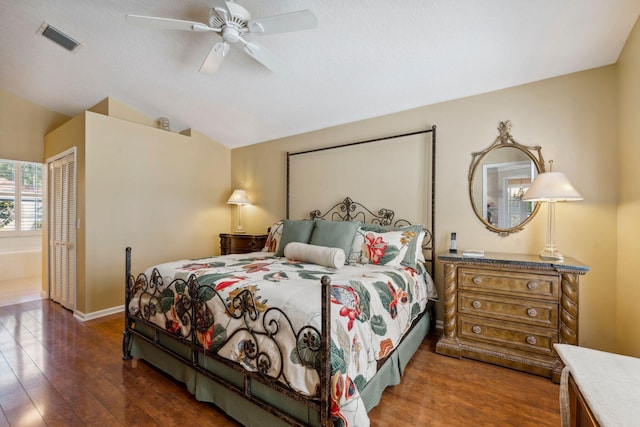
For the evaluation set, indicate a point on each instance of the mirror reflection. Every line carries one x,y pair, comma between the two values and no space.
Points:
504,186
499,176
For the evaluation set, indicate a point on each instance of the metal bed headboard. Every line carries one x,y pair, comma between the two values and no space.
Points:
385,216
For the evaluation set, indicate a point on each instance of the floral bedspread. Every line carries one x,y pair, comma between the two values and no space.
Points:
372,308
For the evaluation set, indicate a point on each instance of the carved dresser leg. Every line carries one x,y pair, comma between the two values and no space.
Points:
569,309
448,343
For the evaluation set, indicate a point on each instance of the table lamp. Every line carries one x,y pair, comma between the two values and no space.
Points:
239,197
551,187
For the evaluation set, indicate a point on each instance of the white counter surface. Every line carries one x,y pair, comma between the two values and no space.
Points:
610,383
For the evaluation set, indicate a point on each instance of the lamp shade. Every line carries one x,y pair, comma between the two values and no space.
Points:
239,197
551,187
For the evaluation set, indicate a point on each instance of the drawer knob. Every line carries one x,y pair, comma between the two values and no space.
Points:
532,312
476,329
532,285
477,279
476,304
531,340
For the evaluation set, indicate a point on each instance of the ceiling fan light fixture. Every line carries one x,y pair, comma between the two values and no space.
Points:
230,34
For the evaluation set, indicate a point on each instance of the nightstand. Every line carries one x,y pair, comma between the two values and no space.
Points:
510,309
241,243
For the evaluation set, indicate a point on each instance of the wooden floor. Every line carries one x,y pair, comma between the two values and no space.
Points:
58,371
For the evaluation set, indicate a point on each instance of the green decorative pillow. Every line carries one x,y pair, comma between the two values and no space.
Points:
335,234
294,231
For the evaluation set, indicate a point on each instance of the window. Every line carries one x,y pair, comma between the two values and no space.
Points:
20,198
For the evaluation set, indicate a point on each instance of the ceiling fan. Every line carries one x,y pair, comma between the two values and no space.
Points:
233,22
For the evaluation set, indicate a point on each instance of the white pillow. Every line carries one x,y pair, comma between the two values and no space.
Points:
320,255
419,242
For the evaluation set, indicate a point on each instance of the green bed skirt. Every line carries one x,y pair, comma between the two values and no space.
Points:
247,413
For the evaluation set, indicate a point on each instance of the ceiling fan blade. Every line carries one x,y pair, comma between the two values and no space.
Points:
167,23
294,21
215,57
266,58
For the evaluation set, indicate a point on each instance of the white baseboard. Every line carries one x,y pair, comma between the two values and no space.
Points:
97,314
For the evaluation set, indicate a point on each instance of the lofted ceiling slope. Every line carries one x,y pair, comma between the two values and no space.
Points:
366,58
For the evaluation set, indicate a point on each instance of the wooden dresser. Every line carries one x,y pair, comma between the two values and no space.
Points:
241,243
510,309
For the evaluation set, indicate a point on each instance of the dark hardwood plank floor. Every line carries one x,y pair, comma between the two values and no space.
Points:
58,371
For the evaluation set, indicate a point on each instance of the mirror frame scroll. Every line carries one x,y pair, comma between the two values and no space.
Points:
503,140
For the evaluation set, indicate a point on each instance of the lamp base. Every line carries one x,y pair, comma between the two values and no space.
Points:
551,255
239,230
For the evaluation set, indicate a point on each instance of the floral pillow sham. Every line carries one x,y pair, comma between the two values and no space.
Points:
274,237
393,246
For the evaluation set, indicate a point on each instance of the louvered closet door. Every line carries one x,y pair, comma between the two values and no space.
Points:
62,237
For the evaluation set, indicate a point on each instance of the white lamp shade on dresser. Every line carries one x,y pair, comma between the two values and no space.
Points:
551,187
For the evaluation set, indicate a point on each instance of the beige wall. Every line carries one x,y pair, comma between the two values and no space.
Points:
573,118
628,286
23,125
159,192
354,171
113,108
162,193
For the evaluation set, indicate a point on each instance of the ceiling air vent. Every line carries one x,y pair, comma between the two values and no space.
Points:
59,38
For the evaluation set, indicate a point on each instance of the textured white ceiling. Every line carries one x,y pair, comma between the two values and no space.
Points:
366,58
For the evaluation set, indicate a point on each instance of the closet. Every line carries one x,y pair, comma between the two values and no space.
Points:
61,192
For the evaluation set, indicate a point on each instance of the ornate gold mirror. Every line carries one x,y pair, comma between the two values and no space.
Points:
499,177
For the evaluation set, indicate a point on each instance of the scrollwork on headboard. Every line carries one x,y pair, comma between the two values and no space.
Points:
348,210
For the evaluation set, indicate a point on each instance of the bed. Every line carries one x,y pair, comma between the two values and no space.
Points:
248,331
309,331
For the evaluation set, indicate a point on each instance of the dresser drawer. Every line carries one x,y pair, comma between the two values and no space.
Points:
532,312
508,334
513,283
